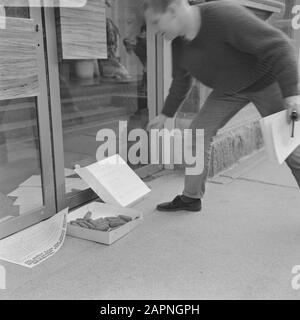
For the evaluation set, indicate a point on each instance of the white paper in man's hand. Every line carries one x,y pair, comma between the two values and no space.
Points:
277,134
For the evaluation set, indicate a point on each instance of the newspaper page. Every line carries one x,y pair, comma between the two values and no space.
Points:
32,246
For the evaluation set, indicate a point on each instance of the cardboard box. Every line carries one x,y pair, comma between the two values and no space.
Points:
102,210
119,187
114,181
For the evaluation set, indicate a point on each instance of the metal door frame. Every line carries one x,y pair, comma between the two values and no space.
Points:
42,104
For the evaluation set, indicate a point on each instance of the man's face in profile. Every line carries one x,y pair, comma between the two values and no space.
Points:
166,23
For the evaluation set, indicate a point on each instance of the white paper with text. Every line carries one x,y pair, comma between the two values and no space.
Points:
32,246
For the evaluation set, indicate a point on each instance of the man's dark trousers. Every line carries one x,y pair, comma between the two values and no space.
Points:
216,112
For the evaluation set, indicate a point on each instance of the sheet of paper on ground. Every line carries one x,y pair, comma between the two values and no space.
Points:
35,244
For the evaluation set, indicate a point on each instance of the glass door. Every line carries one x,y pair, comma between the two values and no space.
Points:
93,94
26,175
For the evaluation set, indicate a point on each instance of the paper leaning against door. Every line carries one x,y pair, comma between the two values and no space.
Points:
35,244
277,136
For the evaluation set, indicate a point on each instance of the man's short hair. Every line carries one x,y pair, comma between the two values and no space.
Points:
157,5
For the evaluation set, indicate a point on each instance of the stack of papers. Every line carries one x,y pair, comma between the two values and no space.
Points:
28,198
277,134
29,194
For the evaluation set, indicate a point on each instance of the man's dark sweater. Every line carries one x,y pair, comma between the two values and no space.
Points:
233,51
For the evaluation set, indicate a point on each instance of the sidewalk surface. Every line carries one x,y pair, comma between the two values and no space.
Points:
242,245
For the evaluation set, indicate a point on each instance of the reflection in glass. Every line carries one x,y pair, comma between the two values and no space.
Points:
20,172
97,94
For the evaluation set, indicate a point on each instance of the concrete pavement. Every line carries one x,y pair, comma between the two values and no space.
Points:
242,245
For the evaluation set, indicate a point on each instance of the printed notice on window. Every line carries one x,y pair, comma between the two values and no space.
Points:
34,245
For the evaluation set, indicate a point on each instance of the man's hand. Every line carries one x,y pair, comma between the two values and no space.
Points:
292,104
157,123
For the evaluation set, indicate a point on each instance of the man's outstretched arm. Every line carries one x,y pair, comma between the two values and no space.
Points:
179,90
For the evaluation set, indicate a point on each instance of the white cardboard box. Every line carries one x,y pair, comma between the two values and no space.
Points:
102,210
114,181
119,186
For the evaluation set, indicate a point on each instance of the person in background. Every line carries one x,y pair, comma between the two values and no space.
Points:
139,47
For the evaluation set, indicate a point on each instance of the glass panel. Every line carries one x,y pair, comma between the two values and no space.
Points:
97,94
20,171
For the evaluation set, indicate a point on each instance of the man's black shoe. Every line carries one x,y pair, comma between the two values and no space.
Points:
178,204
